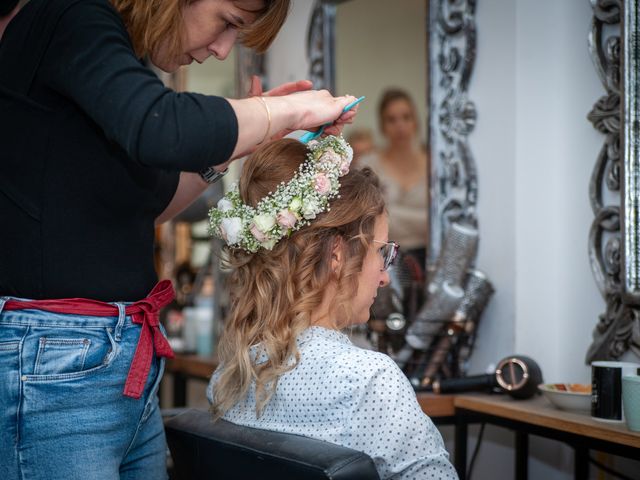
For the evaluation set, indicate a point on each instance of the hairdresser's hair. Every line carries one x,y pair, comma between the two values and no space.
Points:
151,22
274,292
392,95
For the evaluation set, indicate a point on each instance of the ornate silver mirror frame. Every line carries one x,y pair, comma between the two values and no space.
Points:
452,116
614,239
451,31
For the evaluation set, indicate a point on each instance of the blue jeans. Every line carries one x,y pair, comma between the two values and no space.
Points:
62,411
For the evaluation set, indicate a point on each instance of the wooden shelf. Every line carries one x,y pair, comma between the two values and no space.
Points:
437,405
192,366
539,411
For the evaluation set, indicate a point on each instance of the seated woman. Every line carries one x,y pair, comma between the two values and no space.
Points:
308,248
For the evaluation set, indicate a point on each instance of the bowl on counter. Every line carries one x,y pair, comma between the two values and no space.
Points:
568,396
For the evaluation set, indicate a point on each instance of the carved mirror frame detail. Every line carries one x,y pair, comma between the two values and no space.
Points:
321,45
614,238
452,116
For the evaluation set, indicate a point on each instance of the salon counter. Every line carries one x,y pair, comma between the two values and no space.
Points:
537,416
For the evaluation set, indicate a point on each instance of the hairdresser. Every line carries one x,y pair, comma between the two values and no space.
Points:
95,151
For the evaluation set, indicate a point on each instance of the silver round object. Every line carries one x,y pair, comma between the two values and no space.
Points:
396,321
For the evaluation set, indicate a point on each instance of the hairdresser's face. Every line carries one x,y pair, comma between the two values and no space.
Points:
399,122
210,28
372,276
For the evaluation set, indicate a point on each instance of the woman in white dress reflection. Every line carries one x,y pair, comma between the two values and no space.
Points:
402,165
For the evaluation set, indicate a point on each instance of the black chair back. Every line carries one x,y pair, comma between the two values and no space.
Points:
201,448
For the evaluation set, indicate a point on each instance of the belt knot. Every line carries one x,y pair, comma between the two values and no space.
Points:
146,312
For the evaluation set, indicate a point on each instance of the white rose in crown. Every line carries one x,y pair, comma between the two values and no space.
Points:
224,205
269,244
230,229
264,223
309,208
295,205
349,151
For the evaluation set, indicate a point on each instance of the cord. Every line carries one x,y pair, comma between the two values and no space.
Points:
476,449
608,470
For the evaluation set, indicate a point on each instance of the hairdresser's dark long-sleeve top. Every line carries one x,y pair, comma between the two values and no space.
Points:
90,150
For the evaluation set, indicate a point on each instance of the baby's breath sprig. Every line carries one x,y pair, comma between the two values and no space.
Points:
292,206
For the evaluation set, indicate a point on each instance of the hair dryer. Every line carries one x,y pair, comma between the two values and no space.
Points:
517,375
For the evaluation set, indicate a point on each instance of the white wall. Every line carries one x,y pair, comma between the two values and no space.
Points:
533,86
492,143
556,151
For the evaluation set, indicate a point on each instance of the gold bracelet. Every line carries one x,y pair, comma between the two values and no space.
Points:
266,134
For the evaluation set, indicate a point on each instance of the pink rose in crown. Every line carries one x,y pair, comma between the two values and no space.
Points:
344,167
322,184
331,157
286,218
255,231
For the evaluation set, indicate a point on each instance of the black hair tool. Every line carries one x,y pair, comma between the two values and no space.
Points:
517,375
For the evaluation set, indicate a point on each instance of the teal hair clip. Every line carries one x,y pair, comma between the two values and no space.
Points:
307,137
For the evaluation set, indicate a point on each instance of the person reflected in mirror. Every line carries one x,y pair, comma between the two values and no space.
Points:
362,143
402,164
307,266
95,152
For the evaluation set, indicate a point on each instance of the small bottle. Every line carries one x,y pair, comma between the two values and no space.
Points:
203,309
190,332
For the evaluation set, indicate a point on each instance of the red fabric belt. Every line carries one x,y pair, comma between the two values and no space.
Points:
144,312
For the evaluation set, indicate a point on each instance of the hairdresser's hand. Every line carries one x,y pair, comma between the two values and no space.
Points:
284,89
296,87
318,107
344,119
302,110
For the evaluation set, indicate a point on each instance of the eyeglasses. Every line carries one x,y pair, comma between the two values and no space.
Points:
389,252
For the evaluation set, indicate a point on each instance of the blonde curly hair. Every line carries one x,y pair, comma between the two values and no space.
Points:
273,293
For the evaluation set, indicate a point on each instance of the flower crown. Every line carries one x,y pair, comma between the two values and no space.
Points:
292,206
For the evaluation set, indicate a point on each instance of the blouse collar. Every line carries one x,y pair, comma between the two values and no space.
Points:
260,355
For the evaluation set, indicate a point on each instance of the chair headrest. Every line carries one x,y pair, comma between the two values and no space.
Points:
203,449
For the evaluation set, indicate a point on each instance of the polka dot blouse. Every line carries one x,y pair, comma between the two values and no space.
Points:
358,398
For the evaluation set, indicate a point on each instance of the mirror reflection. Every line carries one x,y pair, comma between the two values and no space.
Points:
388,65
390,69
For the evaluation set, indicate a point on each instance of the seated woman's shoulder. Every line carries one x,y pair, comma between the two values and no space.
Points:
362,364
